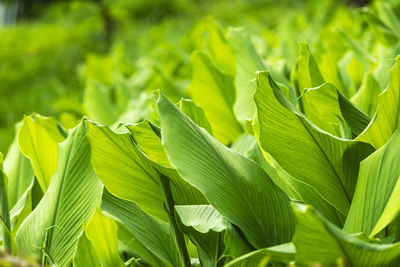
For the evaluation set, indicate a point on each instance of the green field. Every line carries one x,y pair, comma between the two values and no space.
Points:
200,133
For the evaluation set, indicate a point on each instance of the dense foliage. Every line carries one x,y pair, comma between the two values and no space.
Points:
199,143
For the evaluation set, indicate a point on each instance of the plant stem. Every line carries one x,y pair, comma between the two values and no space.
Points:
169,207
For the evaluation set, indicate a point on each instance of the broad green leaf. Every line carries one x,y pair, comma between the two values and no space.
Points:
331,72
376,200
140,158
154,234
331,163
386,119
307,72
355,118
196,113
85,254
103,234
280,254
214,91
37,140
123,169
296,189
74,191
236,186
317,241
247,64
148,140
366,97
18,170
324,106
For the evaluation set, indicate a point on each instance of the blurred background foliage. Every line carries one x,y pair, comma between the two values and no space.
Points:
101,58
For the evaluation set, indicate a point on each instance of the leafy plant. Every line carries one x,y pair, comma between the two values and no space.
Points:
260,158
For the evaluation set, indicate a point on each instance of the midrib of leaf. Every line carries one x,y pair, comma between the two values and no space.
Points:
59,196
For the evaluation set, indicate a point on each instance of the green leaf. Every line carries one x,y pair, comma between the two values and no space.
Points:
235,243
97,101
214,91
196,113
202,218
327,108
37,140
26,203
4,211
102,232
295,189
376,200
323,161
147,138
154,234
134,174
18,170
366,97
130,244
318,241
248,146
203,224
356,119
321,106
307,72
123,169
216,43
71,198
236,186
148,141
85,254
247,64
386,119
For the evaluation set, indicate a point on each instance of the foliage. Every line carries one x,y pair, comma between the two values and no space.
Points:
205,144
